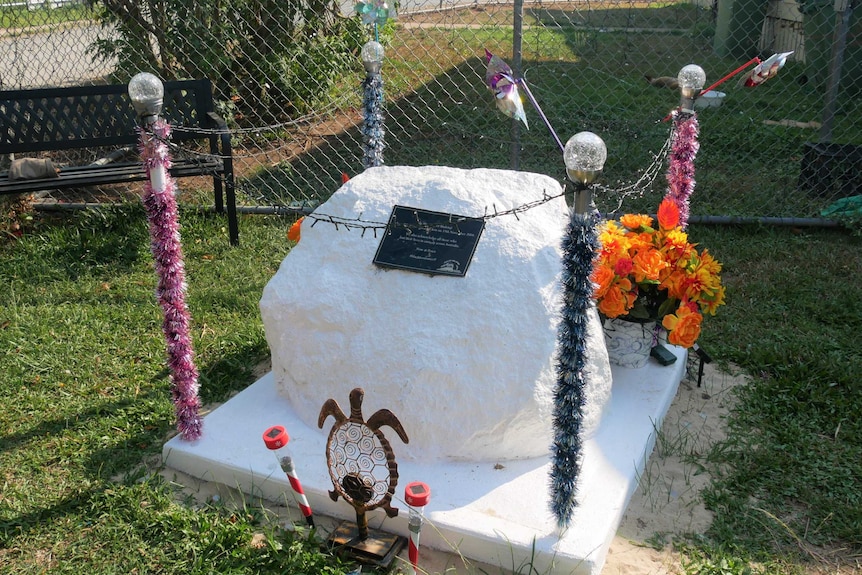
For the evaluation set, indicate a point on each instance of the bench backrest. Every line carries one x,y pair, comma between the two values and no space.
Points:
93,116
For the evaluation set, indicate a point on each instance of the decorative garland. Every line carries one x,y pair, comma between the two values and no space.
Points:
680,171
580,245
373,130
161,207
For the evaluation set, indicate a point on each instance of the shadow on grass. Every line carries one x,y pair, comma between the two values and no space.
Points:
452,121
77,243
676,17
598,86
136,428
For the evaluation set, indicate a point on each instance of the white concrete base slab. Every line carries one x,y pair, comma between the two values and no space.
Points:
496,514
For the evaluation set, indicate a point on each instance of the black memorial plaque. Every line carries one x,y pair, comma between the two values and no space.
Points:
429,242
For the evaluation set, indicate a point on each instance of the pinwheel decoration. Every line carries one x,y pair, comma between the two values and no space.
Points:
375,12
763,71
766,69
501,80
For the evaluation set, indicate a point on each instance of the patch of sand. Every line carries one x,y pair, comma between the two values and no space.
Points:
667,501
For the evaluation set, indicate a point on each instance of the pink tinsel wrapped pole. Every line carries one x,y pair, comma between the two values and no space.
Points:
161,207
680,171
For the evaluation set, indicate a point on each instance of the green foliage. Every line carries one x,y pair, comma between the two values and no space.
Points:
303,78
276,59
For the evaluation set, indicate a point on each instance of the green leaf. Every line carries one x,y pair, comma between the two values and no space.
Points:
667,306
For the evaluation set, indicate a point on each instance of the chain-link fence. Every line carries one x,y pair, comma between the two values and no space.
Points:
289,84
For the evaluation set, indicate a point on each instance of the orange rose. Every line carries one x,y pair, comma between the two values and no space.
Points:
616,301
648,265
674,283
603,277
683,327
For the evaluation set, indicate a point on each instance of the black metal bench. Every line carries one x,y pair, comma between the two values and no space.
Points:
53,119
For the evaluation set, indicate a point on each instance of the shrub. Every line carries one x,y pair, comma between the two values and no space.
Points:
264,55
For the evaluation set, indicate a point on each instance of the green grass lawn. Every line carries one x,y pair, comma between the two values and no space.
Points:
85,392
86,399
16,17
586,69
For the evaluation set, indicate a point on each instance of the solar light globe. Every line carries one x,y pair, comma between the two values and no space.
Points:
585,154
372,57
147,94
691,80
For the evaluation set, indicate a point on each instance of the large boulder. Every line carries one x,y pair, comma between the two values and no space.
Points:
466,363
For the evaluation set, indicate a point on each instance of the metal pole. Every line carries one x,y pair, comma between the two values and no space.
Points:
843,10
517,41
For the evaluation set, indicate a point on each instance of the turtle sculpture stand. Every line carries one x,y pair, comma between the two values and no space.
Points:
364,473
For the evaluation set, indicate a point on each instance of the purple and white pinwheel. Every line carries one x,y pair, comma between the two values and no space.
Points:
501,80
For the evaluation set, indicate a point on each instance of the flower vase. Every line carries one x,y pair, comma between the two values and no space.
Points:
628,342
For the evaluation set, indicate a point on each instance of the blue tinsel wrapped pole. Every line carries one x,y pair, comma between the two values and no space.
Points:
373,131
579,249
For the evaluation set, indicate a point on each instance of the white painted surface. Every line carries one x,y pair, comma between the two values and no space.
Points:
466,363
489,514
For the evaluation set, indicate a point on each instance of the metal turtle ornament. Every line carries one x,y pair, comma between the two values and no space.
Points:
360,459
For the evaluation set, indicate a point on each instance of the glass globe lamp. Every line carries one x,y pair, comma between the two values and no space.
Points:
584,154
691,80
372,57
147,94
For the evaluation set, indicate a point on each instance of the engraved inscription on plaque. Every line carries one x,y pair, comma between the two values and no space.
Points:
429,242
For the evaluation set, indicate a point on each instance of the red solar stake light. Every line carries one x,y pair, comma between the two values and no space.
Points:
416,495
276,439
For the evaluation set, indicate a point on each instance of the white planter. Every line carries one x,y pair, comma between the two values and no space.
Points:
629,343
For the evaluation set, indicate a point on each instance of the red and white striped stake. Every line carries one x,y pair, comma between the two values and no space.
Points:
416,495
276,439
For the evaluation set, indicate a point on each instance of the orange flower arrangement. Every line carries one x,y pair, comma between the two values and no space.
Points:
644,273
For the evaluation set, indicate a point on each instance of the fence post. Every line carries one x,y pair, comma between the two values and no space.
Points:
844,10
517,41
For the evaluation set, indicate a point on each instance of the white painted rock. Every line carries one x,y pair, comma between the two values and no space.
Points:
466,363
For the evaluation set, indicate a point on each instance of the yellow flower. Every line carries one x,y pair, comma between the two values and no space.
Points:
710,304
676,239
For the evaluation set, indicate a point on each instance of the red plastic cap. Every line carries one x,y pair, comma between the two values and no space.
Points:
275,437
417,494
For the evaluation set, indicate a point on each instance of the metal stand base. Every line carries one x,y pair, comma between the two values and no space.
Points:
377,549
